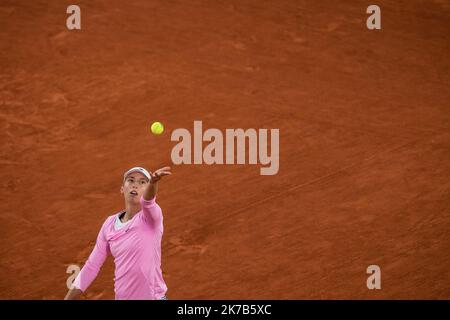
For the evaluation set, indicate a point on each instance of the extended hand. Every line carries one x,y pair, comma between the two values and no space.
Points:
158,174
152,188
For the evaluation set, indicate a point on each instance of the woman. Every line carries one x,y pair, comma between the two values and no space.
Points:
133,238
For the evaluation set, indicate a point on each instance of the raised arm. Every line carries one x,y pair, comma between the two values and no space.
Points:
152,187
150,208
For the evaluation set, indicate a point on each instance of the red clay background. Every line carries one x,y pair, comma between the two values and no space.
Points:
364,144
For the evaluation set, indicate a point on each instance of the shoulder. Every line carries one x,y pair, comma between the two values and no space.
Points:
110,220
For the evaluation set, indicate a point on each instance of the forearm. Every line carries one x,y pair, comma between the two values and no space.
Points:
151,190
73,294
150,209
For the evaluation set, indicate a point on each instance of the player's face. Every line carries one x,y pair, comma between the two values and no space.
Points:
134,186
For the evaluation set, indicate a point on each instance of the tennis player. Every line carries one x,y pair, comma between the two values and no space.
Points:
133,237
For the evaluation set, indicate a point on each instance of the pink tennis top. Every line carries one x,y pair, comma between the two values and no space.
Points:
136,249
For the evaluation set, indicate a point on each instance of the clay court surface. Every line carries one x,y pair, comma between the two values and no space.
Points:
364,125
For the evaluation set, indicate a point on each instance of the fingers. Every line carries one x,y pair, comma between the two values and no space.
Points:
165,171
160,174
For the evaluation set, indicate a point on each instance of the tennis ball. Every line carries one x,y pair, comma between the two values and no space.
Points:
157,128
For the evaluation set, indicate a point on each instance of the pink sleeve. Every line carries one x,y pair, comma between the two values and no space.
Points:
95,261
152,212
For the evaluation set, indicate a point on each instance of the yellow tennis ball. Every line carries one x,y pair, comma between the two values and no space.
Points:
157,128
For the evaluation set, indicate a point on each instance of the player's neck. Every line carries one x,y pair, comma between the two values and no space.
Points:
130,211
